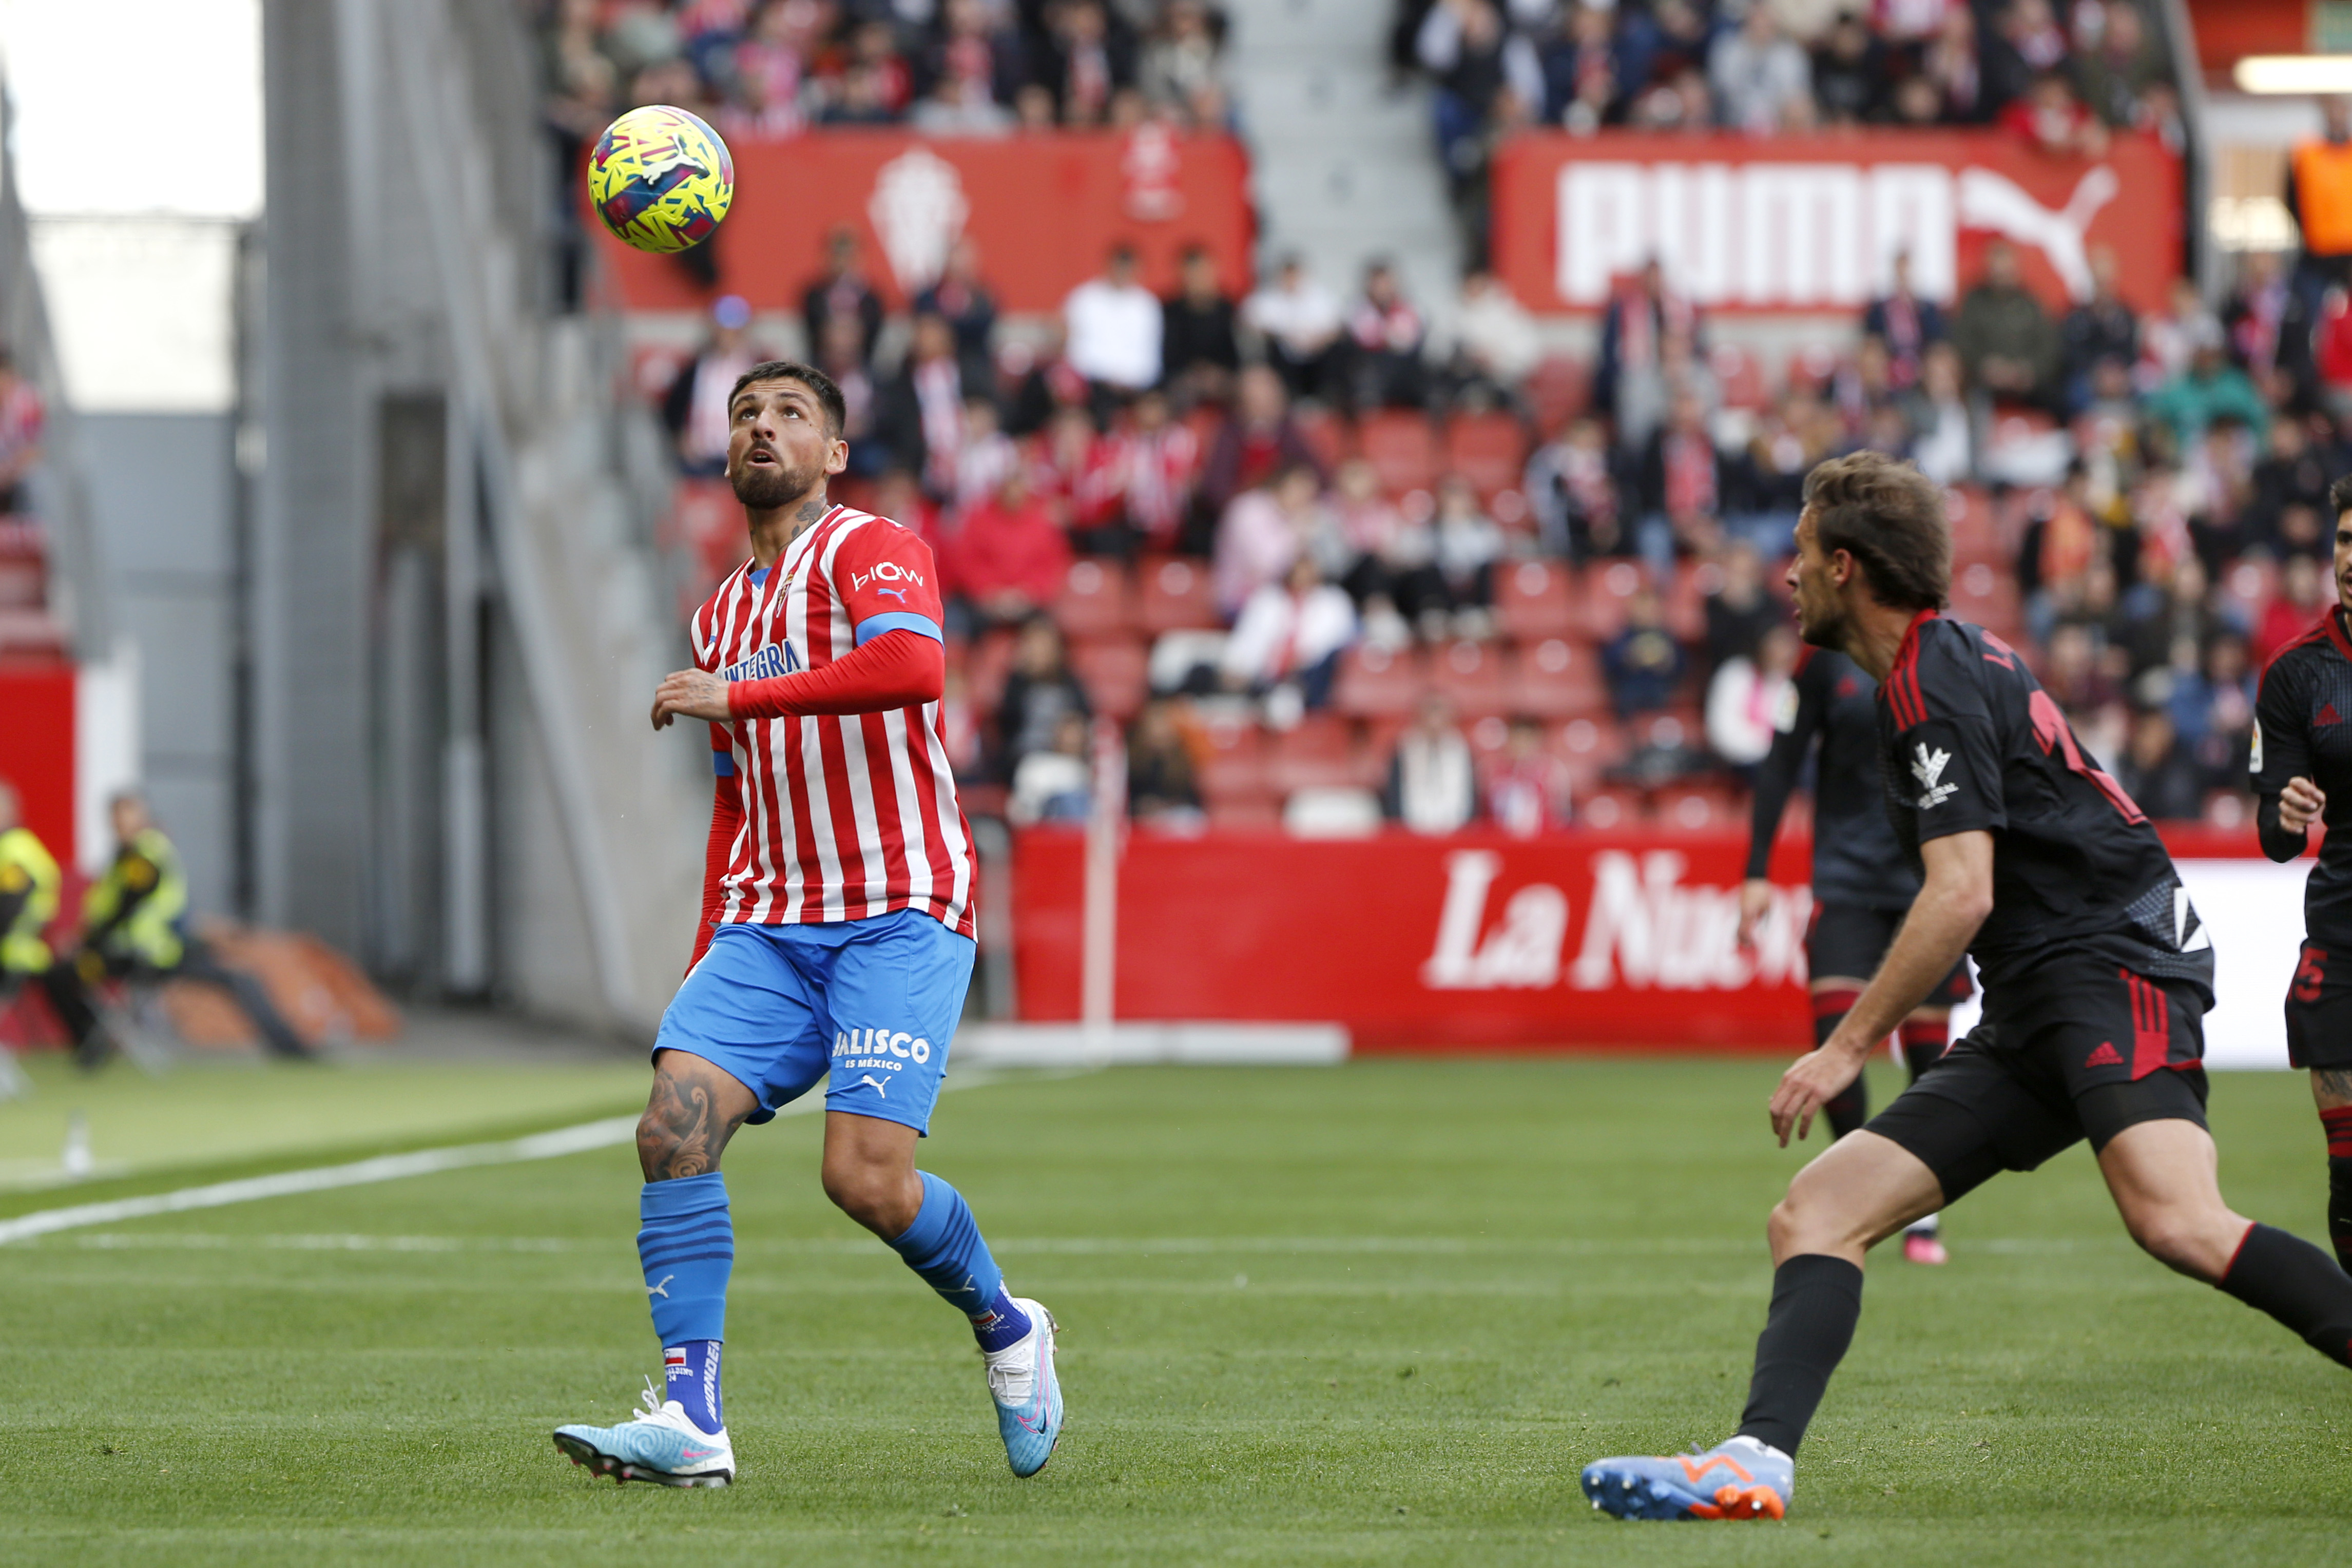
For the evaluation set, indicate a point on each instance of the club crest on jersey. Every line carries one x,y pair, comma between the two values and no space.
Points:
1927,767
775,659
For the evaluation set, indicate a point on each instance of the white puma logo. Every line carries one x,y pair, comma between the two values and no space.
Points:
879,1087
661,1289
1991,201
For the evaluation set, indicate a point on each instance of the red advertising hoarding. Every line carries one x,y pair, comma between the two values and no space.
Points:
1479,941
1813,222
1044,209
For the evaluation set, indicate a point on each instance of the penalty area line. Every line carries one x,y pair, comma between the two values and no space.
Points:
603,1133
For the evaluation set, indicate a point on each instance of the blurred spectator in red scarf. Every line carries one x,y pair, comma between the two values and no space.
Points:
1157,462
1527,787
1260,438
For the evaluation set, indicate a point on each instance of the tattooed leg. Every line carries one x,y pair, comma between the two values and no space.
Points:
694,1109
2331,1089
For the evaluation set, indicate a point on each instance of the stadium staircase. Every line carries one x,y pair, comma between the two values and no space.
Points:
1344,165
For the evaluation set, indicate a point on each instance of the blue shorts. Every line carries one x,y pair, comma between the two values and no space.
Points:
872,1002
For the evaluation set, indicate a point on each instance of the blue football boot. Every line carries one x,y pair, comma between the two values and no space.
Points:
662,1445
1742,1478
1028,1396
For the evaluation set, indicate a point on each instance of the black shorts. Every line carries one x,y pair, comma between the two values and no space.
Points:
2319,1009
2121,1049
1849,940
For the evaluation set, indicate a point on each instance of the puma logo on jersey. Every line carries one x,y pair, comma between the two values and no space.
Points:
775,659
898,593
1927,767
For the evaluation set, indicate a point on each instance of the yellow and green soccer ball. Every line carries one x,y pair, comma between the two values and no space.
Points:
661,179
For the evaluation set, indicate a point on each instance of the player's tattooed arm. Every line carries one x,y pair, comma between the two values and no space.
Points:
693,1110
690,694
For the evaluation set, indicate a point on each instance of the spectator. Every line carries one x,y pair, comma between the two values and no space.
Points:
2007,345
1199,350
2053,119
1528,787
1359,551
1258,440
1299,322
1639,330
694,410
1745,697
1054,782
1385,334
1087,61
1683,483
1495,343
1467,545
2209,389
1076,473
1951,66
1571,487
1432,786
1263,531
1161,791
2102,328
839,355
1762,81
986,457
1008,560
970,76
1850,75
2303,599
1906,324
2120,67
1474,56
765,104
922,410
965,303
1042,379
1039,692
1944,441
1586,75
1643,664
2290,493
1114,326
1158,464
2218,709
1764,487
2168,339
1740,609
1183,73
2027,45
841,291
2261,324
2320,196
1292,633
2159,774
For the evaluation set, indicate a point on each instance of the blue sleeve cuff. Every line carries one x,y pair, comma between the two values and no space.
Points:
868,629
722,764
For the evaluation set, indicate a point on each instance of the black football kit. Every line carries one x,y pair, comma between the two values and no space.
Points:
2303,729
1862,881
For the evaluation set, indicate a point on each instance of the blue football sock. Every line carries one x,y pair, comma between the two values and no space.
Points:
944,1246
686,1241
690,1377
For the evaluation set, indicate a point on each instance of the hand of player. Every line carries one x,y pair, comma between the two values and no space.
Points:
1811,1082
1755,898
2300,804
690,694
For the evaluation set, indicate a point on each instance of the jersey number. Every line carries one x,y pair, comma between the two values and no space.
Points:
2051,728
2311,974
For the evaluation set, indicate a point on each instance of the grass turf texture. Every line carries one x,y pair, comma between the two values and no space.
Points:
1375,1314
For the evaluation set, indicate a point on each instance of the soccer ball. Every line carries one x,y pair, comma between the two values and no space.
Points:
661,179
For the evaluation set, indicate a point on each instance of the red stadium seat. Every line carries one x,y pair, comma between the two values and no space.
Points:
1490,450
1251,813
1326,435
1740,375
1686,600
1532,599
1375,681
1694,806
1987,595
1609,806
1234,768
1094,601
1112,672
1557,390
986,665
1173,594
1319,753
1556,679
1470,674
1402,447
1603,595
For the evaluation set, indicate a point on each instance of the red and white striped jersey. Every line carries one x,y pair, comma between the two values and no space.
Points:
845,817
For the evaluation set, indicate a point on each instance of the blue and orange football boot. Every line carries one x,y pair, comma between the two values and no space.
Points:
1742,1478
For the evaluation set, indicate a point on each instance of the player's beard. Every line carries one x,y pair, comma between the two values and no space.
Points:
765,489
1826,630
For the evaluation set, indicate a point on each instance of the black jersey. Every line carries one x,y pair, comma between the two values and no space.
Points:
1969,741
1856,858
2303,728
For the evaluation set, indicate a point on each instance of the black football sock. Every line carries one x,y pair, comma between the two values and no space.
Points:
2296,1283
1850,1107
2338,1120
1924,1041
1816,1301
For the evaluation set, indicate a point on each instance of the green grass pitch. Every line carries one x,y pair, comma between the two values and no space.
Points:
1378,1314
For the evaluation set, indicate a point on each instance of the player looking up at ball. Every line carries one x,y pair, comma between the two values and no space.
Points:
2098,974
836,943
2301,761
1862,882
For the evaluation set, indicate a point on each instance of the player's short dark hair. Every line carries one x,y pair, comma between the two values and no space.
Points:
1889,516
836,407
2340,495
